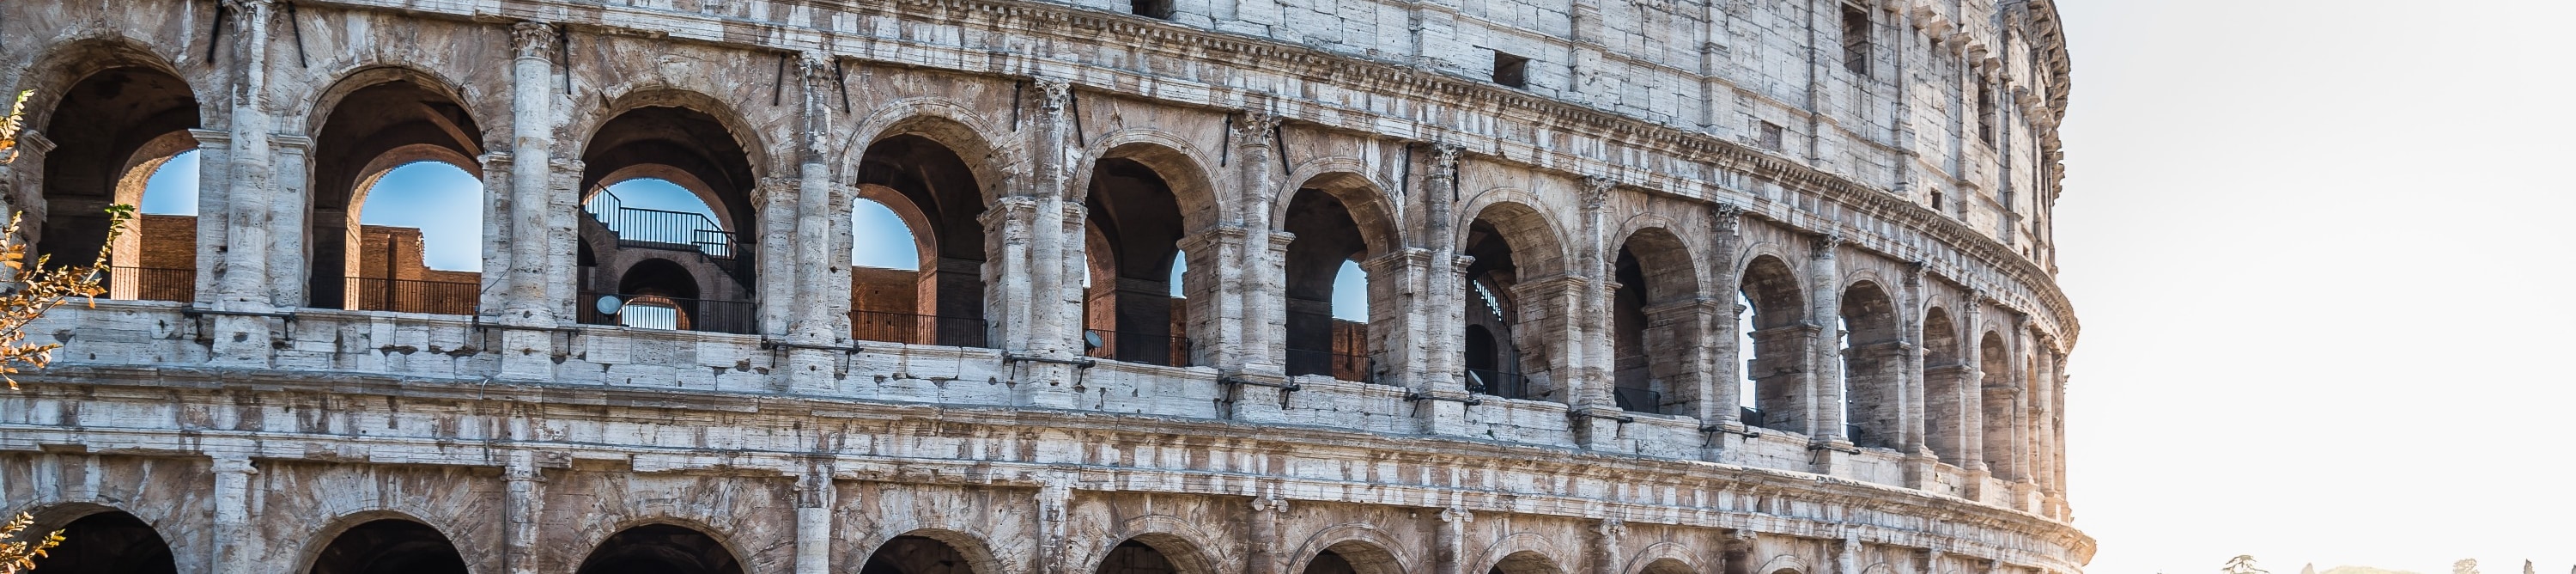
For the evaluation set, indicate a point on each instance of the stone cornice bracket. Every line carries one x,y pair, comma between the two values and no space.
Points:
532,39
1053,94
1611,526
1456,515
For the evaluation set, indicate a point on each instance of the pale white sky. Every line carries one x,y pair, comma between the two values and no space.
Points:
2321,250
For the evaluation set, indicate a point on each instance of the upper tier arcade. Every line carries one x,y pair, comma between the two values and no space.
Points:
1736,286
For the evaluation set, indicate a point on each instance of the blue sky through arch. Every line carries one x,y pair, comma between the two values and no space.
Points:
172,190
441,200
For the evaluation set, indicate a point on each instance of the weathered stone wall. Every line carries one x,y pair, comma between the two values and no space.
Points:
250,430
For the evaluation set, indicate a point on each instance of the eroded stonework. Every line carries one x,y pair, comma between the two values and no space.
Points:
1731,286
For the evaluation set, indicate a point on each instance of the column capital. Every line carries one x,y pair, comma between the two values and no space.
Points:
1596,191
1444,158
1456,515
1256,127
1053,94
1826,243
1270,503
531,39
1727,218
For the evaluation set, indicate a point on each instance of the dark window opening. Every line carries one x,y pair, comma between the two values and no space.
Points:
1986,113
1157,9
1773,137
1856,39
1511,70
1937,204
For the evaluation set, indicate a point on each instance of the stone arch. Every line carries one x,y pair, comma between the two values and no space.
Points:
1184,546
725,161
1655,323
1945,401
362,543
1873,370
1366,548
365,124
1335,218
1662,558
1151,201
928,551
1360,191
103,113
993,157
936,191
1156,552
1522,553
100,539
2001,404
579,134
1785,564
1518,288
667,545
1777,365
63,64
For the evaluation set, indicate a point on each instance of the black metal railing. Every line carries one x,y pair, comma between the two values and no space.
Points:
1133,347
1638,400
916,329
674,313
661,228
1342,366
414,295
1497,383
152,284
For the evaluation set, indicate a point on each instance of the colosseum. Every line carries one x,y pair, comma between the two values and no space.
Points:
1626,287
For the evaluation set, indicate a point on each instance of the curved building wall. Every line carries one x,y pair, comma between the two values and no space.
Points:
1860,190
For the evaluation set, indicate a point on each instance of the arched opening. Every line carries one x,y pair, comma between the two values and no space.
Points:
1136,312
660,549
1944,412
111,133
1525,562
109,543
657,294
1779,334
918,196
1353,557
1514,251
1873,355
1136,557
389,547
1327,308
2002,408
157,259
916,555
642,170
1667,566
1655,326
396,221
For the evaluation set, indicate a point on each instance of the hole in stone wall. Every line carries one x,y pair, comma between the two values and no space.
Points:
1157,9
1511,70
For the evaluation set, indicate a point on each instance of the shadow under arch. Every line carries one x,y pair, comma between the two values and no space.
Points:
948,552
1873,356
102,540
1143,199
990,160
936,192
1525,562
104,113
660,547
1364,548
388,545
1777,365
1156,553
1334,218
1515,248
1654,331
365,125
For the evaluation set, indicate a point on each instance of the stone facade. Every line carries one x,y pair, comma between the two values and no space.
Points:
1733,286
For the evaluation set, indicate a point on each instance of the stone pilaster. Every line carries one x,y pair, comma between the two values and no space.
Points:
533,107
1597,417
1055,244
1721,413
237,542
1920,460
814,501
495,293
1054,500
1256,292
1605,545
814,268
1737,557
1449,544
287,211
214,148
521,507
1262,552
1825,348
242,289
1441,305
